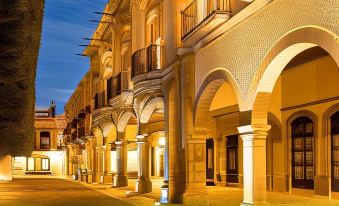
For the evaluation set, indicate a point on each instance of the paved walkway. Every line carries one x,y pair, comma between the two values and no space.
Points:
218,196
52,192
63,192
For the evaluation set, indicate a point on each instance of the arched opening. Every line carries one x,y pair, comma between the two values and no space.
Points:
302,135
335,151
217,115
300,73
153,24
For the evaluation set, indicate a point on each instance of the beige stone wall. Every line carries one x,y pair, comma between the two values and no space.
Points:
243,55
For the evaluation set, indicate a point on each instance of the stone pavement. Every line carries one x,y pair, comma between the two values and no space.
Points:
218,196
52,192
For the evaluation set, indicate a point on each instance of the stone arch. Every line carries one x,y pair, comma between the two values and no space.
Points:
123,120
327,119
280,54
301,113
102,131
327,127
207,91
151,106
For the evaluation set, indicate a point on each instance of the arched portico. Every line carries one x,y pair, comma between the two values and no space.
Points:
207,91
260,92
278,57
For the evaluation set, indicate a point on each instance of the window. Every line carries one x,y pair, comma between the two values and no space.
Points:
302,153
30,164
232,172
335,151
44,140
38,164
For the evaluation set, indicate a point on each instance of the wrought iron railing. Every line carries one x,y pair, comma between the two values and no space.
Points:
117,84
189,14
146,60
139,62
188,18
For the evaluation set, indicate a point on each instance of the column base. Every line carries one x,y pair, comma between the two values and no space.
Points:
143,186
108,179
321,185
120,181
164,194
90,178
96,178
192,199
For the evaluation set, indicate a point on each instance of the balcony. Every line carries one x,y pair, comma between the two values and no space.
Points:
192,29
118,92
146,70
146,61
101,115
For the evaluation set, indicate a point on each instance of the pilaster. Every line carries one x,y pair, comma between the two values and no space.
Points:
196,193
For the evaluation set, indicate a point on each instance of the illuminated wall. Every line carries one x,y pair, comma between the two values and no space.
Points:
57,162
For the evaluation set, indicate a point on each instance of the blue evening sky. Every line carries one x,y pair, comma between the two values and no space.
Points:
65,23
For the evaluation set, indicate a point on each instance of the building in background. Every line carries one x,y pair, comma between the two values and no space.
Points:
49,155
231,93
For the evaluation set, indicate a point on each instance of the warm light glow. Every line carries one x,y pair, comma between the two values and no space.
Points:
113,161
140,136
118,142
132,161
162,141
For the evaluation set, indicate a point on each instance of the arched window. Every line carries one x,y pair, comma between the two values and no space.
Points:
302,153
335,151
45,140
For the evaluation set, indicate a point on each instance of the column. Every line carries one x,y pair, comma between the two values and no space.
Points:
196,193
107,173
5,168
120,179
254,163
164,187
143,184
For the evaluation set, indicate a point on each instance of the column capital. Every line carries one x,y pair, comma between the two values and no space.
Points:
254,129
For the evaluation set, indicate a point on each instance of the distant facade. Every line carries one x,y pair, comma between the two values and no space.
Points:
49,155
231,93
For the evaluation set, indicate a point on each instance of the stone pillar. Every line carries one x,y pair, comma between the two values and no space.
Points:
254,163
5,168
164,187
120,179
143,184
107,170
196,193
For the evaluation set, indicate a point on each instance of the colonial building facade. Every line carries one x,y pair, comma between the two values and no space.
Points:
233,93
49,154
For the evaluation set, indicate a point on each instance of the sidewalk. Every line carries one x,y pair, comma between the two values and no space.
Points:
120,193
218,196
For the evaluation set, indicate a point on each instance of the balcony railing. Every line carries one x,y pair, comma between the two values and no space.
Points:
189,14
188,18
146,60
117,84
